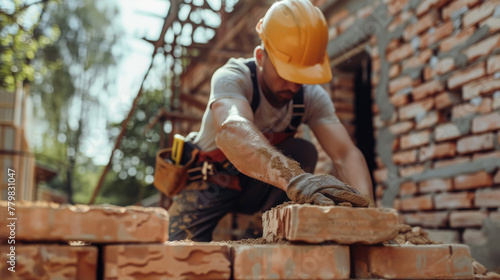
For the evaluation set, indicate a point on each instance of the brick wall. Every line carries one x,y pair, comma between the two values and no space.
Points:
435,78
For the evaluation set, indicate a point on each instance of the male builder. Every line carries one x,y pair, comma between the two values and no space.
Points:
250,160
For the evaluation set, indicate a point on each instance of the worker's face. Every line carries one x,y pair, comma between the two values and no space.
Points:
278,91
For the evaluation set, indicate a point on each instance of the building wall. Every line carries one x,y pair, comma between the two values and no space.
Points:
435,75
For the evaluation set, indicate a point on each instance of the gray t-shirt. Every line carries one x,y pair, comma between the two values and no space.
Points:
233,80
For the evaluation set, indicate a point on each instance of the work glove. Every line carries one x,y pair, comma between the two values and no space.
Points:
325,190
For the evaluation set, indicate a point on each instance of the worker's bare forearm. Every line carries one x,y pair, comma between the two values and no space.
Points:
352,169
250,152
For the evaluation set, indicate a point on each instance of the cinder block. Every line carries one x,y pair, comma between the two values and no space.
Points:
41,221
49,261
171,260
412,262
291,262
344,225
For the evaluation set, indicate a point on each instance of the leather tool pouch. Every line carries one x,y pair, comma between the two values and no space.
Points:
170,178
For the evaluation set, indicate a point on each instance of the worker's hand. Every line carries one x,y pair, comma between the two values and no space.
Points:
324,190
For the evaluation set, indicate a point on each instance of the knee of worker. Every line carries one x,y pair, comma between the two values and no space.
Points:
302,151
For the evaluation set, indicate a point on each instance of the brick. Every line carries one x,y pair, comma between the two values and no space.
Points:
415,139
427,219
423,202
399,99
473,181
483,48
400,53
470,74
416,108
472,107
423,24
481,87
380,175
392,45
399,84
448,131
450,162
406,171
477,157
364,12
401,127
96,224
436,151
435,185
426,5
398,20
479,13
457,5
452,261
454,200
467,218
496,179
407,188
486,123
443,236
332,33
417,60
395,144
473,236
376,65
405,157
396,6
496,100
495,216
487,198
445,65
173,260
301,262
493,64
379,191
439,33
337,17
344,225
456,40
49,261
429,120
493,23
476,143
427,89
394,71
447,99
346,23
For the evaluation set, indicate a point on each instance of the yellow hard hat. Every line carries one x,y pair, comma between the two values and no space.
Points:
295,36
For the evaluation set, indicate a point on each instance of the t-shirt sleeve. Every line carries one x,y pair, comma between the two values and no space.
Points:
229,81
319,107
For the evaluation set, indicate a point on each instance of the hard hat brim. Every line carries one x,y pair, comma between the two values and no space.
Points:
315,74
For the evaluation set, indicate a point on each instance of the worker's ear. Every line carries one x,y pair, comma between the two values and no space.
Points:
258,53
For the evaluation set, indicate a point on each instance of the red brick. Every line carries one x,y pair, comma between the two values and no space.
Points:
337,17
448,131
396,204
468,218
416,108
445,65
405,157
301,262
483,48
415,139
96,224
396,6
446,99
495,216
380,175
485,123
466,109
417,60
426,5
496,180
493,64
435,185
429,120
395,144
176,260
400,53
401,127
344,225
423,202
398,20
476,143
399,99
449,162
457,5
495,154
406,171
451,261
473,181
423,24
364,12
477,14
392,45
487,198
438,34
474,236
399,84
436,151
379,191
496,100
456,40
332,33
454,200
467,75
427,219
480,87
394,70
426,89
346,23
444,236
49,261
407,188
